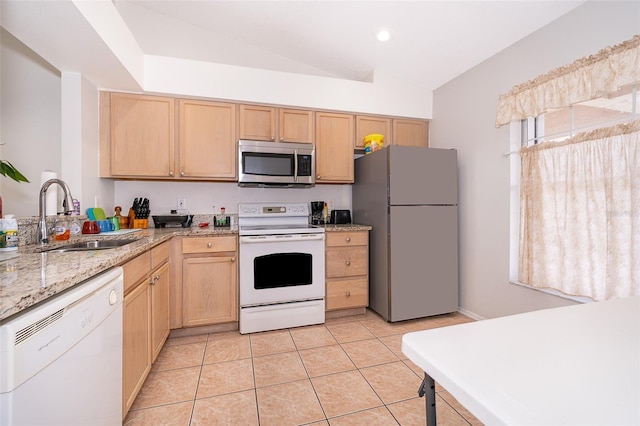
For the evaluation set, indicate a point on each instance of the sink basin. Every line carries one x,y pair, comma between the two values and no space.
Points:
92,245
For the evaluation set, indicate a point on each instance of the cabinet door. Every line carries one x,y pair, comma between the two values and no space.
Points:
410,132
207,140
136,343
210,290
159,308
142,140
257,123
367,125
295,126
334,147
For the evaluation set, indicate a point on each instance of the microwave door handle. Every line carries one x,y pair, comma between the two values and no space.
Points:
295,165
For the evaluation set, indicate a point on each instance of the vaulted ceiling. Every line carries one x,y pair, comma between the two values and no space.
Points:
431,41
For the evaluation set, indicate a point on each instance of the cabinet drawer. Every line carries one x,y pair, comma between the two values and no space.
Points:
337,239
343,294
347,262
135,270
159,255
208,244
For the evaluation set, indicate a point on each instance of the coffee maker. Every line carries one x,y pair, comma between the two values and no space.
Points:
316,212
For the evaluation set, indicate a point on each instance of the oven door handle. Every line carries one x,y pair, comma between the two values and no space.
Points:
280,238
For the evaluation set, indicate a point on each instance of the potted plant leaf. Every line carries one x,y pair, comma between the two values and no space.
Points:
7,169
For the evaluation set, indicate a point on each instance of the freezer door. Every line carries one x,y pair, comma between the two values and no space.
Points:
423,261
422,176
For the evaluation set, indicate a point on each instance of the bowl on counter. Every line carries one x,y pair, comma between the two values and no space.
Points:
90,227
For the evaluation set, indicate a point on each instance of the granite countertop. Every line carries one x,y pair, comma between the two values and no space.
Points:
34,276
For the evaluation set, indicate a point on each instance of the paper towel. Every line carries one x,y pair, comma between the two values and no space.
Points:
52,192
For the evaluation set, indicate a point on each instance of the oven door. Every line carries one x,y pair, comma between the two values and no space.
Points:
281,268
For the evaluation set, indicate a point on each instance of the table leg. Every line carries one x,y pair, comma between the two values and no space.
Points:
428,390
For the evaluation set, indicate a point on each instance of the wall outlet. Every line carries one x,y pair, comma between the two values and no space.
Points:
330,205
181,203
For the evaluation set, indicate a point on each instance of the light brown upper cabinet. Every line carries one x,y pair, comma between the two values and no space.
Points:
367,125
334,147
207,141
136,135
409,132
276,124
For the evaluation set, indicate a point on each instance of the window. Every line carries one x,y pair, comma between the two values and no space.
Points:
575,199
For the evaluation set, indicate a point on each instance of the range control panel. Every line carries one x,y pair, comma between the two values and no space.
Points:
272,209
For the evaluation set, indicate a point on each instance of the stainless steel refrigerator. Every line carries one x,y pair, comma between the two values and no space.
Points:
409,196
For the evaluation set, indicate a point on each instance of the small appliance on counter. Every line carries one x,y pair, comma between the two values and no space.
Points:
316,212
172,220
340,217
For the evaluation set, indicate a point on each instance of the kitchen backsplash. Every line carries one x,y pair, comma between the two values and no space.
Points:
208,197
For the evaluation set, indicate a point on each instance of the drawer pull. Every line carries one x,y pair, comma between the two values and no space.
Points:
348,239
348,262
209,245
348,294
233,259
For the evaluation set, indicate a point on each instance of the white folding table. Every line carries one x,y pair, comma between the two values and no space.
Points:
575,365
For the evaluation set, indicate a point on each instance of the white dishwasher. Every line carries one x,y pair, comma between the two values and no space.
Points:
61,361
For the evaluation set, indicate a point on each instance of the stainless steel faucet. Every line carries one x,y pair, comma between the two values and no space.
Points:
43,232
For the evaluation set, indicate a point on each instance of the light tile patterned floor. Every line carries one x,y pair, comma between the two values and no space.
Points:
349,371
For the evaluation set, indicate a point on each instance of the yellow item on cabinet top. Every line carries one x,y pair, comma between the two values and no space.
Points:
373,142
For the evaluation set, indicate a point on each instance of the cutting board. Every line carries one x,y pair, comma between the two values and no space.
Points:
99,213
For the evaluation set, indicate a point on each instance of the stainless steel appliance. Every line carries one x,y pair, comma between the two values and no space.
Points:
409,196
278,164
282,267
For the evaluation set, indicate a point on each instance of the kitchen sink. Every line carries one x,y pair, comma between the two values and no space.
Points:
92,245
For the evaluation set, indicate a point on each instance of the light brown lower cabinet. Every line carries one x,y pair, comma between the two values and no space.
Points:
145,318
347,270
209,280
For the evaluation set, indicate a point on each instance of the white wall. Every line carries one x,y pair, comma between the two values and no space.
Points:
464,118
30,123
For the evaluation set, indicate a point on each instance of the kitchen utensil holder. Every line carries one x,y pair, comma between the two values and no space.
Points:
221,221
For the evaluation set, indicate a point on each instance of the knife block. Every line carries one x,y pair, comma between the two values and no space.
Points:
137,223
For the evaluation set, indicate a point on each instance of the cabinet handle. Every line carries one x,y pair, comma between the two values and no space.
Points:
348,262
152,281
171,174
209,245
156,277
282,139
348,239
348,294
181,173
233,259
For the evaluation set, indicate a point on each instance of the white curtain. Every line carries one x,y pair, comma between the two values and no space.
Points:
587,78
580,214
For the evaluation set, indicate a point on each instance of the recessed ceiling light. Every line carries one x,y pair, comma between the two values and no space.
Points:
383,35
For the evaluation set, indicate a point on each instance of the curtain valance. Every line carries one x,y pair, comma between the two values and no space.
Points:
587,78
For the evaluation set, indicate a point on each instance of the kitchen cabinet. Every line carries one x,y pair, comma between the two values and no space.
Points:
276,124
334,147
136,136
207,141
209,280
410,132
347,270
367,125
145,318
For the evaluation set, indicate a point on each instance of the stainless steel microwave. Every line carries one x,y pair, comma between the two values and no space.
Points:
277,164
